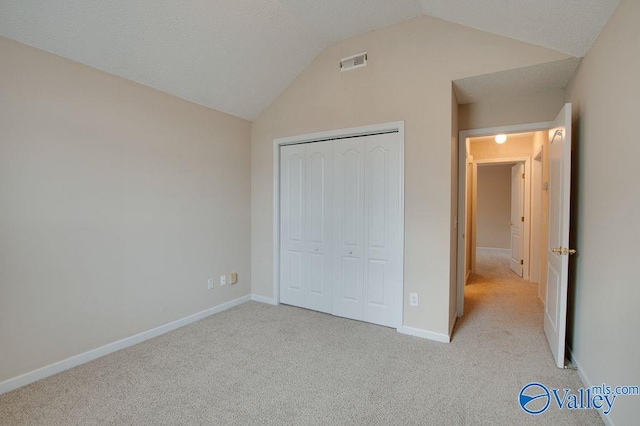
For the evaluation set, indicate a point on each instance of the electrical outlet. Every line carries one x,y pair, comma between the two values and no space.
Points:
223,280
413,299
233,278
210,284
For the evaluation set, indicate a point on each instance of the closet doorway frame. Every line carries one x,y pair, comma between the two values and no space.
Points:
353,132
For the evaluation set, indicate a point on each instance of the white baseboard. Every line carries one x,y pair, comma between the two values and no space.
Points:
263,299
74,361
587,384
493,248
425,334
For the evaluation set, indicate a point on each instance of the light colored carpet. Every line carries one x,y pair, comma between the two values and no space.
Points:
261,364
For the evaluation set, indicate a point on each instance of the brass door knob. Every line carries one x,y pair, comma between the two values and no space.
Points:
563,251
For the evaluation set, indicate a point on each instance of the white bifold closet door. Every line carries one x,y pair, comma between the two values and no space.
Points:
306,225
340,228
366,221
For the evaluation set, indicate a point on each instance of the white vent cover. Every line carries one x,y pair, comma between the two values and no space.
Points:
353,62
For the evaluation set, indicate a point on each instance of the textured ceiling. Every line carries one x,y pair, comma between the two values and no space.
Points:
519,81
569,26
238,55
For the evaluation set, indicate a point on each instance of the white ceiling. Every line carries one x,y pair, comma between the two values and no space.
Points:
238,55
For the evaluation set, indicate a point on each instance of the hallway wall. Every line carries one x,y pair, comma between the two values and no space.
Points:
531,108
517,145
494,206
541,140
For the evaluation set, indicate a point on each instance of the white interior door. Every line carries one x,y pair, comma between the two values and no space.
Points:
306,225
558,240
517,218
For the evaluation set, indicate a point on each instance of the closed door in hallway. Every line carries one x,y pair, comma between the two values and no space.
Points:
517,219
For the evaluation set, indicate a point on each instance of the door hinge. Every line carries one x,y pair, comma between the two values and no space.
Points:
523,176
521,261
522,219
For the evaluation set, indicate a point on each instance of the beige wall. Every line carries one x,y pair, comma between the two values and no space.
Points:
411,67
517,145
494,206
117,202
533,108
605,292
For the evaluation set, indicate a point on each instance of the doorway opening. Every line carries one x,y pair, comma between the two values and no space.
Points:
498,220
503,255
502,198
545,167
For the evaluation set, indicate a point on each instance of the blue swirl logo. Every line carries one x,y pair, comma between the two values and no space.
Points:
534,398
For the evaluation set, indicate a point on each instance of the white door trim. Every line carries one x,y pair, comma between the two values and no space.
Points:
537,155
537,219
462,178
392,127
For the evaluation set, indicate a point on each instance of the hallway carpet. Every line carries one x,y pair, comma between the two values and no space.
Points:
262,364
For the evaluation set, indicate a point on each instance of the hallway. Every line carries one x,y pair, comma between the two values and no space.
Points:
500,296
503,322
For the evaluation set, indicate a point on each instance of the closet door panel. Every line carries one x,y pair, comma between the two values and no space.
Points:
292,225
381,284
319,225
348,227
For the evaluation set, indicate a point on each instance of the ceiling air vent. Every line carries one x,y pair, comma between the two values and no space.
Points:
353,62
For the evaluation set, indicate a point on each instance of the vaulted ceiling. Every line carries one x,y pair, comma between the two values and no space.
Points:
238,55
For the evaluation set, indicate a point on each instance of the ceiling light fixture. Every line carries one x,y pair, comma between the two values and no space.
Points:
500,139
